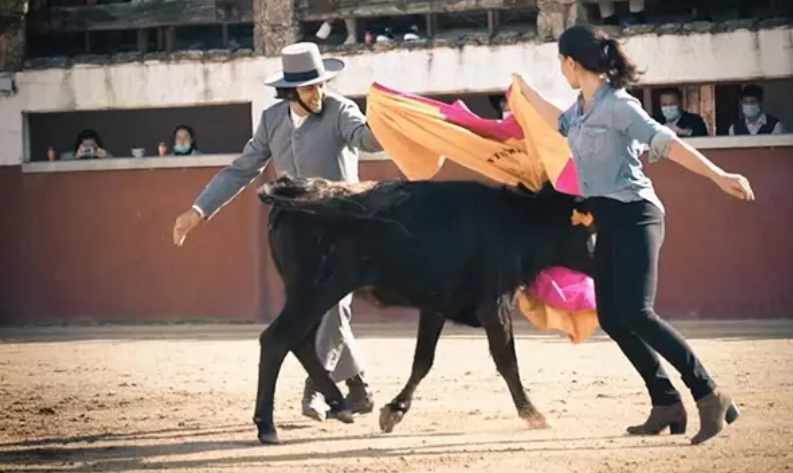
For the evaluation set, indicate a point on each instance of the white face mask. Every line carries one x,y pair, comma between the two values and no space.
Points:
670,112
751,110
181,148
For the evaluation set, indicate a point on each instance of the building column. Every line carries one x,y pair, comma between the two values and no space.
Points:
275,25
12,34
557,15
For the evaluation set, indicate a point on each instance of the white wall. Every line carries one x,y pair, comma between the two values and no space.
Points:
730,56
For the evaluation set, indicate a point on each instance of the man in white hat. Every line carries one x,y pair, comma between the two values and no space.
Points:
310,133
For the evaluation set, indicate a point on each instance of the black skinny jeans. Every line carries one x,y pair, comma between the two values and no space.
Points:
629,240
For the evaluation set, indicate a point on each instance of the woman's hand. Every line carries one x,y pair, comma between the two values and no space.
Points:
548,111
735,185
524,87
691,159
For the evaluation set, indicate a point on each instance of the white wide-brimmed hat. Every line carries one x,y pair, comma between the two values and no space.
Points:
303,65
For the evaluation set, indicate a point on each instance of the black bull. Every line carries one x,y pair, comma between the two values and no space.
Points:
453,250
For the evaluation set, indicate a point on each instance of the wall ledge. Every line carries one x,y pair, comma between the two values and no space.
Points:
149,163
219,160
727,142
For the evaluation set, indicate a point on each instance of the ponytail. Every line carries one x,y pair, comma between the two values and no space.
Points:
619,68
598,53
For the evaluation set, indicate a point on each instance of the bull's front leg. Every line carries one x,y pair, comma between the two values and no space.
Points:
430,326
273,347
287,332
498,325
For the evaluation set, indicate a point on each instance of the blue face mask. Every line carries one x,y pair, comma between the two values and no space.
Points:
181,148
751,110
670,112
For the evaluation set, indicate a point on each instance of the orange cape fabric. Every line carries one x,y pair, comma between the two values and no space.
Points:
419,134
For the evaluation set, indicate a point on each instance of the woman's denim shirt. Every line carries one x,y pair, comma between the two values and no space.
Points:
607,141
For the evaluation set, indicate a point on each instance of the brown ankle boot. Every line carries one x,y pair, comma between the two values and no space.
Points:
714,410
661,417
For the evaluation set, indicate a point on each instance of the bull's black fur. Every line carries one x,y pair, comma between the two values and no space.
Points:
454,250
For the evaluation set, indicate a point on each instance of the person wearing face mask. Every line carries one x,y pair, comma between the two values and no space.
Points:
311,132
683,123
753,120
184,142
606,129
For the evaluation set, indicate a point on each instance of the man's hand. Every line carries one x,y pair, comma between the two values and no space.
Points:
184,224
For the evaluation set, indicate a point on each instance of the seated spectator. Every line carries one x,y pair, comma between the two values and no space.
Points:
672,115
162,149
87,146
184,142
753,120
609,15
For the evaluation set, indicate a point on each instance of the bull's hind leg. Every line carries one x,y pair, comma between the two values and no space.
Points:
297,319
430,326
502,348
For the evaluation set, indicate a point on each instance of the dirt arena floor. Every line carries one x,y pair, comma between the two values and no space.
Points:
180,398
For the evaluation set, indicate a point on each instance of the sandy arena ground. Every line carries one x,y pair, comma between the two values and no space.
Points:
180,398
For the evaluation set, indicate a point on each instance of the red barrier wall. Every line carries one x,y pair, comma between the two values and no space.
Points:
97,245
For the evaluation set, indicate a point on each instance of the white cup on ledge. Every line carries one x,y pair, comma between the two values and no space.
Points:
137,152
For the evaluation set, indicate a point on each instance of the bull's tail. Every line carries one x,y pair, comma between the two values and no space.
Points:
313,195
367,201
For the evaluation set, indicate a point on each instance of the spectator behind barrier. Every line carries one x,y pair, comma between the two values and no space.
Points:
673,116
88,145
752,119
184,141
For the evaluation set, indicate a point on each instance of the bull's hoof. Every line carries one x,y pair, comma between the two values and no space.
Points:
537,423
534,420
390,417
269,438
267,435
